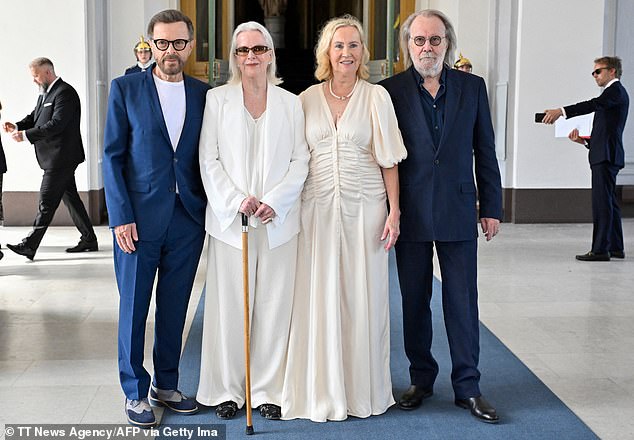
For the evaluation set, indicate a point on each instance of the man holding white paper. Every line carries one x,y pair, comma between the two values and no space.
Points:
605,154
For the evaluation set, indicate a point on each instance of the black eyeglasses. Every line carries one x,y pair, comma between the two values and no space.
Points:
598,71
434,40
178,44
243,51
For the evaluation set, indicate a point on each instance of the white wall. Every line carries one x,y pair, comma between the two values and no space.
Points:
34,28
556,45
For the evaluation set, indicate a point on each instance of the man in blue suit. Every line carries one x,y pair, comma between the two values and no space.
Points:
156,206
445,121
605,154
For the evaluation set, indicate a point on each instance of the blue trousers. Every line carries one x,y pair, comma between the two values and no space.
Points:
174,258
458,265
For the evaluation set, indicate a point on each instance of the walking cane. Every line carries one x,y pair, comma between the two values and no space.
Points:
247,339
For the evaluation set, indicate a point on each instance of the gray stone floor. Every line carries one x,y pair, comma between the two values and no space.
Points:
571,323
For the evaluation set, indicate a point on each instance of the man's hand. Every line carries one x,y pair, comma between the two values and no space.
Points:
8,127
126,236
574,136
490,227
552,115
17,136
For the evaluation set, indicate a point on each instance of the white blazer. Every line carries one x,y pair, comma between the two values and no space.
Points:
223,163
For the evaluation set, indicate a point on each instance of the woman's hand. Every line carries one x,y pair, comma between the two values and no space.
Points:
392,229
265,213
249,206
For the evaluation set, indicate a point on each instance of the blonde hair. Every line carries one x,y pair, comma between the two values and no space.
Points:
324,68
235,76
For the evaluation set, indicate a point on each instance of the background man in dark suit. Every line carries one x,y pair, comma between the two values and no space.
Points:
53,127
605,154
156,206
445,121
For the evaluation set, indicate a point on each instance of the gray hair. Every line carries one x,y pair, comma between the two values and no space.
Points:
41,62
170,16
235,76
450,35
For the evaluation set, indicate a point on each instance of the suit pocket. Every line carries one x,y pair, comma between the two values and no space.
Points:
141,187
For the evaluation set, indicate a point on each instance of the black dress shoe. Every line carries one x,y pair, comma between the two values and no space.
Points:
227,410
591,256
270,411
617,254
480,409
84,246
413,397
22,249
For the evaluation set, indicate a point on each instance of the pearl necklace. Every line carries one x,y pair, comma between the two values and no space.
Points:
342,98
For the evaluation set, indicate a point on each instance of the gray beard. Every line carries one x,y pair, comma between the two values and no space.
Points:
43,88
430,71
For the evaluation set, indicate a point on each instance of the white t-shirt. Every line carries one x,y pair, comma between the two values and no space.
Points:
172,98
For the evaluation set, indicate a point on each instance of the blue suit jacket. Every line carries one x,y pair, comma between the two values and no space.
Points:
610,113
140,167
438,192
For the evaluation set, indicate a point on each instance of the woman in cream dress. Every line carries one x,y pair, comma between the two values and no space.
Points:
253,160
339,350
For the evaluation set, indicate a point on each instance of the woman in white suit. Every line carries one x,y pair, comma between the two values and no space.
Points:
253,160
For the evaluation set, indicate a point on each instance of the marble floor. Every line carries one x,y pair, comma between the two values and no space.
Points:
571,323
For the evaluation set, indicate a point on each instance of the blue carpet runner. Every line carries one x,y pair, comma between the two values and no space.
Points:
527,408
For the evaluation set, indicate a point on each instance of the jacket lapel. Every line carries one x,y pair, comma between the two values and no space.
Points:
275,117
233,131
414,107
452,99
189,109
156,104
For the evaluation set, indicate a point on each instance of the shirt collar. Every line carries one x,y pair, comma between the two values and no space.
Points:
420,81
611,82
53,83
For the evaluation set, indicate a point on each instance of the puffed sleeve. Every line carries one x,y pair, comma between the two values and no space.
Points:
387,142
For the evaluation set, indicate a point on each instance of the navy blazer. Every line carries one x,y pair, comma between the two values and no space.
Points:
53,128
610,113
438,192
141,169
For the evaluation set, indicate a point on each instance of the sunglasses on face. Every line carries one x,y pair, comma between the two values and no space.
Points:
243,51
178,44
598,71
434,40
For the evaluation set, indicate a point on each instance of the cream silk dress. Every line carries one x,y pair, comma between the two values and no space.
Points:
339,347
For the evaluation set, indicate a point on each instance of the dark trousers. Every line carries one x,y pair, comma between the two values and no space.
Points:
607,231
174,257
59,184
458,265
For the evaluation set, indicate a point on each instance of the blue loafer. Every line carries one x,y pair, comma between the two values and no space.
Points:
139,413
174,400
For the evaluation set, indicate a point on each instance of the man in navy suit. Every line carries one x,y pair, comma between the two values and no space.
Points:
445,121
605,154
156,206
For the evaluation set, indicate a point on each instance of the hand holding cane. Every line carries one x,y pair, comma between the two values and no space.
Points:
247,341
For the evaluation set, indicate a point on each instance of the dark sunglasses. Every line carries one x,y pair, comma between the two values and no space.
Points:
178,44
434,40
243,51
598,71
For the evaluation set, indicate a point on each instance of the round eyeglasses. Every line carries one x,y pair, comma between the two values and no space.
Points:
243,51
178,44
434,40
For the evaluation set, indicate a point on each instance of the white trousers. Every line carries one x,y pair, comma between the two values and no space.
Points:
271,281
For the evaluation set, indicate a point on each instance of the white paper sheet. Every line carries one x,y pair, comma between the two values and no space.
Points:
583,123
